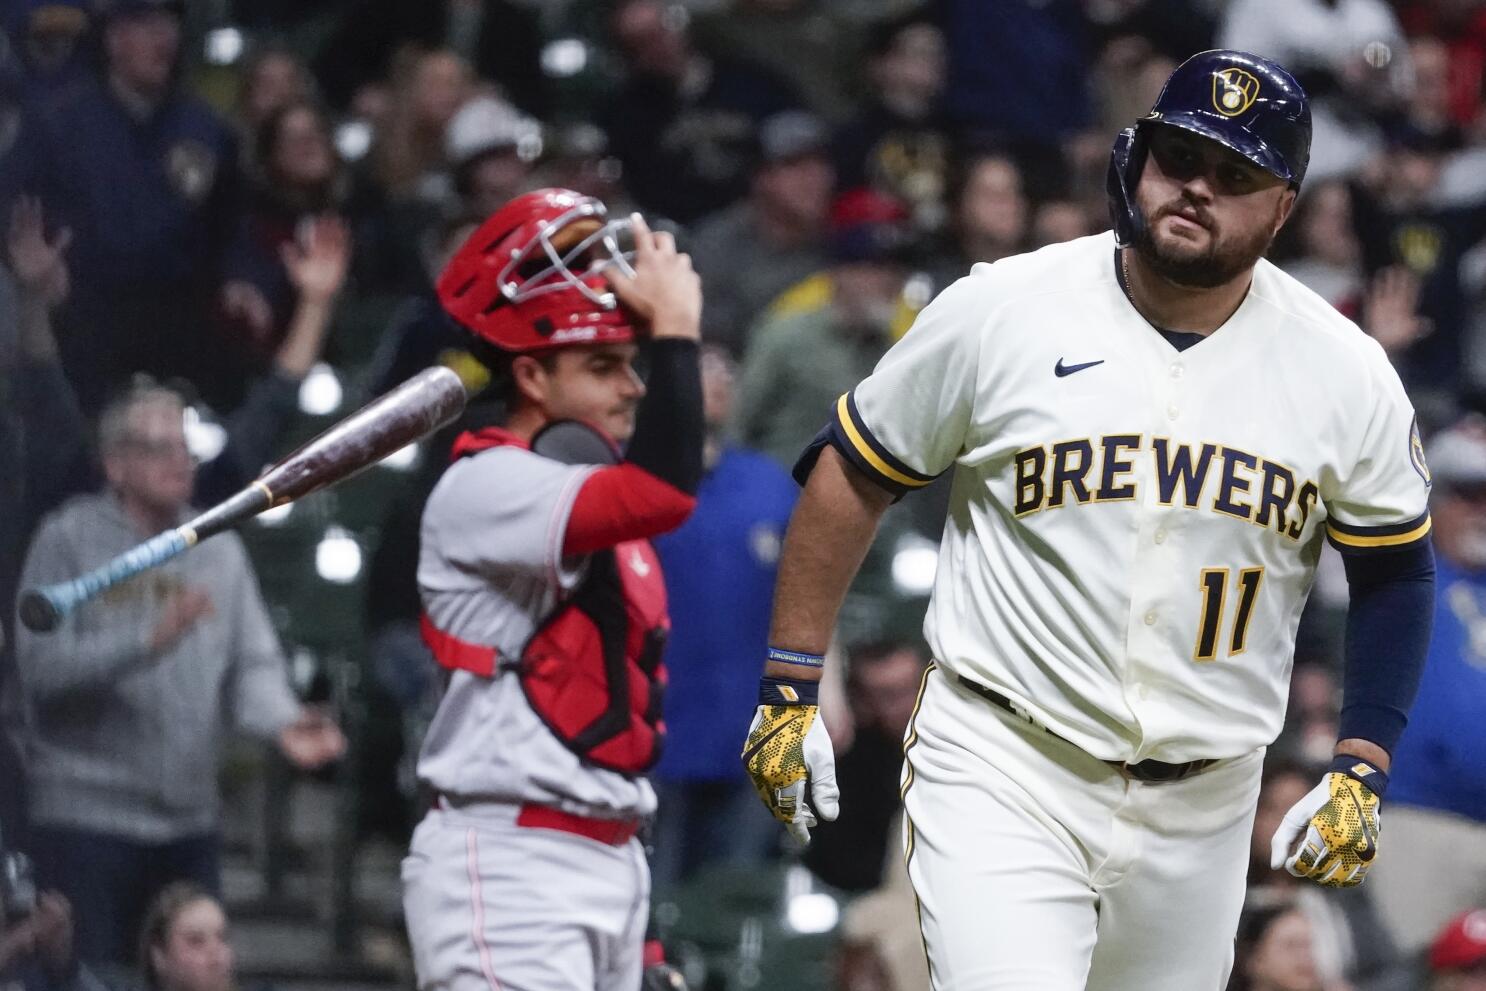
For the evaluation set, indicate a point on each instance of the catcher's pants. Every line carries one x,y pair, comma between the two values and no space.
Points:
1041,868
492,906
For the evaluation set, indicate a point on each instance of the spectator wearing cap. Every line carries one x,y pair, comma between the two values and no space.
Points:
145,175
750,252
798,363
492,149
682,121
1457,959
898,142
1435,831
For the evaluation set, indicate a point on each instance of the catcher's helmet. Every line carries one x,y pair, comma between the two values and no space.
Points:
1241,101
531,277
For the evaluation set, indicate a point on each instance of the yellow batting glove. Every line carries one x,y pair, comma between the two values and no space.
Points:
1337,824
787,749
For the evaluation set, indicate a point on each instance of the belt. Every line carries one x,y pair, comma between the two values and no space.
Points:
1150,771
613,832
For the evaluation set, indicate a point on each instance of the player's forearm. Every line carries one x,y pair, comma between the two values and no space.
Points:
828,537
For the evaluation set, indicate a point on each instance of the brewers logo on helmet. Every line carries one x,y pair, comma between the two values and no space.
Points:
1246,103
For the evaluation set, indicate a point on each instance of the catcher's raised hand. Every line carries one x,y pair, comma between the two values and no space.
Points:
787,748
1336,824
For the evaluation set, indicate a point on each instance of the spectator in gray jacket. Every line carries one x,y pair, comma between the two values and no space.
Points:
126,704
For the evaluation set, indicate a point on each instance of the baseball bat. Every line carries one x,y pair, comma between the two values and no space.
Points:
418,407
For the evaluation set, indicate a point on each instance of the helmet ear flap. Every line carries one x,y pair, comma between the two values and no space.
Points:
1126,160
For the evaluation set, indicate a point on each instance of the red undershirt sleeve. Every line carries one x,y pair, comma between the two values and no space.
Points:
622,502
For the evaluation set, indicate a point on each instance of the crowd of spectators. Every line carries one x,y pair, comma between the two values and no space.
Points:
203,203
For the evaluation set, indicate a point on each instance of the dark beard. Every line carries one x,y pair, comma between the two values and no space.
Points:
1206,271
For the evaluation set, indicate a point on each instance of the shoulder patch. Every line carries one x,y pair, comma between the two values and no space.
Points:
1416,452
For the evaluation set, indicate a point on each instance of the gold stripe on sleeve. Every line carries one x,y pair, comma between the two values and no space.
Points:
1387,540
865,450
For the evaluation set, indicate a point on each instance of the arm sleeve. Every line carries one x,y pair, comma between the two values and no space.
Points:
906,423
668,425
262,701
619,503
88,648
1387,641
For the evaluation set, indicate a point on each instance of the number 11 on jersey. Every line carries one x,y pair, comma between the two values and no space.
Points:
1214,586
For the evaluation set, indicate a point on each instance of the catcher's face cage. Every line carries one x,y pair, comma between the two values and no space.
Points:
595,251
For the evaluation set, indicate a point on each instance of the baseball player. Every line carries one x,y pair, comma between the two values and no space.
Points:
1151,431
544,600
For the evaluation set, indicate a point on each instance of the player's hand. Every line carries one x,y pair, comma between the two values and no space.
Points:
664,291
1337,826
787,748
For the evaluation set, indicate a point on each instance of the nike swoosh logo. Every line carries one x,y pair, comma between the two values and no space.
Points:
1061,369
752,751
1367,847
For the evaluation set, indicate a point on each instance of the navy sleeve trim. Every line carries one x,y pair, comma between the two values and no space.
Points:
1351,539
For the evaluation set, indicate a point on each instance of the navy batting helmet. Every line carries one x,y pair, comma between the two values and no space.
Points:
1241,101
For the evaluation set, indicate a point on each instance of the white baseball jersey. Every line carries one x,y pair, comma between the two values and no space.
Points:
490,567
1133,528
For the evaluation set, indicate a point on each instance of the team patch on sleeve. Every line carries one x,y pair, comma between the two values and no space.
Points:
851,436
1416,452
1351,539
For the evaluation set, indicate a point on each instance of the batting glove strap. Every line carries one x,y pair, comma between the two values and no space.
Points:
1364,772
788,691
787,748
1337,825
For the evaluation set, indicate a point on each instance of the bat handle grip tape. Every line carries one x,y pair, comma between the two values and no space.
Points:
42,608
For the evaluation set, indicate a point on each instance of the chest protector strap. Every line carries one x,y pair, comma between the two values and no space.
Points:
592,669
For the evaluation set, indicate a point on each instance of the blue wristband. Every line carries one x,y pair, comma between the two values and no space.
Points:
795,657
1361,770
788,691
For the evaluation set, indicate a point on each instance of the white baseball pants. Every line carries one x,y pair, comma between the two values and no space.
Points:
1041,868
492,906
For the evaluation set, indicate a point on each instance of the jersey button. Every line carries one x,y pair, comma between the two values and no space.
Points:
1172,412
1150,619
1142,692
1176,371
1160,536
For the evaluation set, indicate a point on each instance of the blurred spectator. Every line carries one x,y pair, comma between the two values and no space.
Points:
898,143
125,700
36,952
1058,220
1310,727
1435,863
579,159
500,40
990,220
719,567
1457,959
272,78
1326,254
683,122
427,91
757,248
1401,223
997,49
813,45
50,37
184,944
1274,952
799,363
882,681
882,947
1461,25
492,149
1349,55
1173,28
298,189
151,197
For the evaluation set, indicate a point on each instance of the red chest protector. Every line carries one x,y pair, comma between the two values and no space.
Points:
592,669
